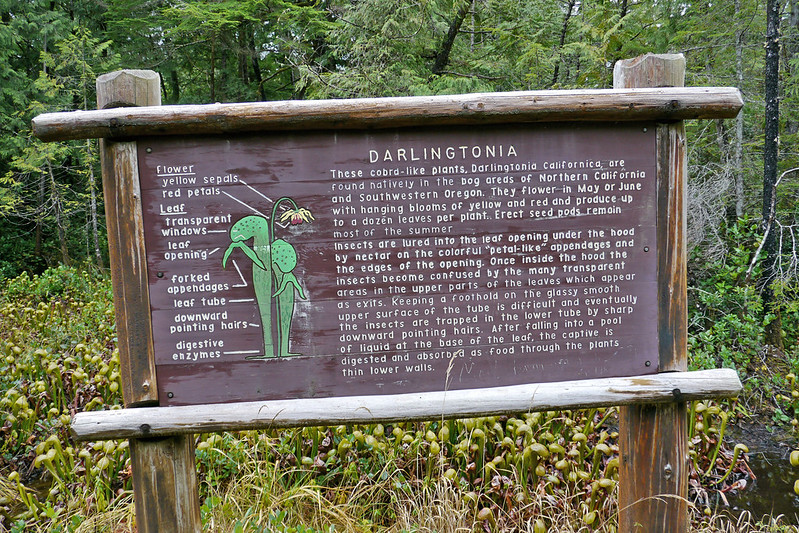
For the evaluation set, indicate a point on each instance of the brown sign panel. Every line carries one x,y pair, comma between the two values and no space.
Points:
326,264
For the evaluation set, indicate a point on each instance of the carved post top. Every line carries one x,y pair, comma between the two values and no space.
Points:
650,70
126,88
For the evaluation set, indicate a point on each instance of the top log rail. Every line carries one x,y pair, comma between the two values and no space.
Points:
660,104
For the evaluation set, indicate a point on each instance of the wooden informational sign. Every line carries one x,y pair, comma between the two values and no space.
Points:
319,264
413,258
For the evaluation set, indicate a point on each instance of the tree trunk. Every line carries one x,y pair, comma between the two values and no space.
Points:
98,255
739,120
256,63
55,196
770,159
38,236
723,143
471,35
242,53
563,30
213,69
722,140
791,49
174,86
442,57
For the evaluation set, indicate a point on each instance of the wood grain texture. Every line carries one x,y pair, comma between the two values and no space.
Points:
165,485
671,244
650,70
125,88
127,253
657,468
128,261
666,104
653,439
159,421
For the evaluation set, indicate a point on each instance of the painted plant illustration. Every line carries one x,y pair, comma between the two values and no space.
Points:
274,261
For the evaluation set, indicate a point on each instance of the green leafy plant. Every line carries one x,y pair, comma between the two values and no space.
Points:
726,319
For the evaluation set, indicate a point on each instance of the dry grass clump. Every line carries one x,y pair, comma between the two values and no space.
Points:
436,507
724,522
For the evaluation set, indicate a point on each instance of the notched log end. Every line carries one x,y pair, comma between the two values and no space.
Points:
72,433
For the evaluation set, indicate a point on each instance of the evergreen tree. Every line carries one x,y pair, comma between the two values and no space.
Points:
48,193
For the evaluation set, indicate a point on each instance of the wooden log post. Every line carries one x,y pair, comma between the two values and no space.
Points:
126,251
164,472
653,439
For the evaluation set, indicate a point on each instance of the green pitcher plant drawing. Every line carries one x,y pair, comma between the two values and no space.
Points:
274,261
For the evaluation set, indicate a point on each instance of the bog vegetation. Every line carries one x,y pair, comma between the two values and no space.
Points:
549,471
553,471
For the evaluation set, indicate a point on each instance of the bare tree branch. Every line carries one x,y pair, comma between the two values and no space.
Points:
769,224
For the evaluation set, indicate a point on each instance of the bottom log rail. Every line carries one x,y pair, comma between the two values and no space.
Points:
163,461
150,422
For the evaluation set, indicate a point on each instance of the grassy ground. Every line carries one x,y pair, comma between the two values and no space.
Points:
551,471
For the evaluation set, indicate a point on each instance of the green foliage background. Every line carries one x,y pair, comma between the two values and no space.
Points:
230,51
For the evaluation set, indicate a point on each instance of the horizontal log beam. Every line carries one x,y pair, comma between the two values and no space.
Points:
659,104
163,421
